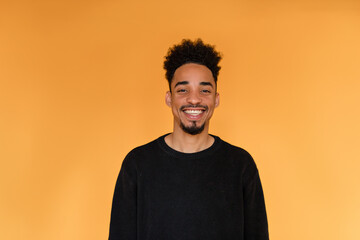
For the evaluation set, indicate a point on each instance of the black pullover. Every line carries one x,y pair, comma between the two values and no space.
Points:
163,194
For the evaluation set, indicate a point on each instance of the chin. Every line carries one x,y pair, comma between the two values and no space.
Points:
193,129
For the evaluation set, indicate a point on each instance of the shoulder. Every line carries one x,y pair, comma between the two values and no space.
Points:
237,152
146,149
143,152
239,157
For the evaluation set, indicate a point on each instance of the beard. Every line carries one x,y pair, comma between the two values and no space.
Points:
193,129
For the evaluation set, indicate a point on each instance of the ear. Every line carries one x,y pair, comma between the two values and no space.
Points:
217,99
168,98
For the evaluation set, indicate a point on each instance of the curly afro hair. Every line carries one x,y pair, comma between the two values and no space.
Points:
191,52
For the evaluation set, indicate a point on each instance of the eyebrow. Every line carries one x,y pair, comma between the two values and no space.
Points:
181,83
186,82
206,84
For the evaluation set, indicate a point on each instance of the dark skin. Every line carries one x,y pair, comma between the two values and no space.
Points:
193,98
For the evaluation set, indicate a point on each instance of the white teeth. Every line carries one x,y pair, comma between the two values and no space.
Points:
193,112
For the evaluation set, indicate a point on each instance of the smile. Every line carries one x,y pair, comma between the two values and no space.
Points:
193,112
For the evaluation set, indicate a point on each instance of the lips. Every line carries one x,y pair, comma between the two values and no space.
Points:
193,112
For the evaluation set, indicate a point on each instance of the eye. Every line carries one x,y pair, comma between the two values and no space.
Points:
181,90
205,91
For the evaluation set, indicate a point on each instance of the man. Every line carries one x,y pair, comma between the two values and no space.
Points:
189,184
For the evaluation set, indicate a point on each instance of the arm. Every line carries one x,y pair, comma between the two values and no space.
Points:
255,219
123,212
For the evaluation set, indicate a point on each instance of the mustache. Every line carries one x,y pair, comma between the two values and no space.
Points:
194,106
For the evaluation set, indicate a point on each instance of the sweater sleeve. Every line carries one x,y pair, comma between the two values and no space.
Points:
123,212
255,219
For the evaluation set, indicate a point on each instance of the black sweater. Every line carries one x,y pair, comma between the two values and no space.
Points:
163,194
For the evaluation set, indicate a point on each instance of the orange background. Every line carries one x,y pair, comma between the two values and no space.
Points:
81,84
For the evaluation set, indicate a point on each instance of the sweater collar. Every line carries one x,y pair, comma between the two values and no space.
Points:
201,154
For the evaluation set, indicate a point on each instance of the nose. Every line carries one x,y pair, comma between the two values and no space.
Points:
194,98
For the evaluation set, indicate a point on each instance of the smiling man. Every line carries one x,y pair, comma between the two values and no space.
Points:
189,185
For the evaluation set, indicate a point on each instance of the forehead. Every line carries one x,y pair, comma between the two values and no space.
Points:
192,73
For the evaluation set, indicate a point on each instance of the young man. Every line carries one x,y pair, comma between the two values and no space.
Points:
189,185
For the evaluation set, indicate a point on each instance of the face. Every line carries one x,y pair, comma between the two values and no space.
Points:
193,98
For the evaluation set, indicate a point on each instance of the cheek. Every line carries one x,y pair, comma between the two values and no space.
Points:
177,102
175,110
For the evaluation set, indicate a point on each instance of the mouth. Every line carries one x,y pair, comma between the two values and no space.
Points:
194,112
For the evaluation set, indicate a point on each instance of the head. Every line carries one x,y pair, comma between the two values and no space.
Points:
192,70
191,52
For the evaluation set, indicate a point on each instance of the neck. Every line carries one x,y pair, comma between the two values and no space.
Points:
187,143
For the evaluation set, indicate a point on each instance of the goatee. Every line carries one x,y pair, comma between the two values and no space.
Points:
193,129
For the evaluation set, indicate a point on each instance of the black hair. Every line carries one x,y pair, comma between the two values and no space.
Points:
191,52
